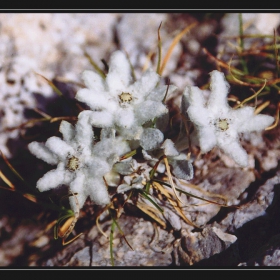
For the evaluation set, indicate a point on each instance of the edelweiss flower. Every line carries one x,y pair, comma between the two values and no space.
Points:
118,102
80,164
217,124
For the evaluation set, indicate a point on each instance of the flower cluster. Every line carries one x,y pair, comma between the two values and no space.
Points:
127,111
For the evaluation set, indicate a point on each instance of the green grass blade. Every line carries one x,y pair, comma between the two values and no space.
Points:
147,196
95,66
111,242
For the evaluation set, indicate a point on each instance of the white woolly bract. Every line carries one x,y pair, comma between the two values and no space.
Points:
40,151
148,110
219,90
84,132
124,117
59,147
111,148
119,75
99,167
67,130
144,86
54,178
159,93
93,81
97,191
103,119
77,187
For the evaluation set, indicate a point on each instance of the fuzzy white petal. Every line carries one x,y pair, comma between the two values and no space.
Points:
67,130
219,90
97,191
84,132
95,100
108,147
42,152
125,117
53,179
148,110
133,133
107,133
199,115
98,167
141,88
119,75
59,147
158,93
236,152
196,97
103,119
216,123
207,139
260,122
248,121
77,186
121,146
93,80
227,137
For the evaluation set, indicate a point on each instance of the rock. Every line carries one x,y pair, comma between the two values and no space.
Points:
197,246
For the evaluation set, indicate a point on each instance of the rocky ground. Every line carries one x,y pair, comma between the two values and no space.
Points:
54,46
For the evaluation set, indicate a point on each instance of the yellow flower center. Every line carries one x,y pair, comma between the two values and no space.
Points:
73,163
125,97
223,124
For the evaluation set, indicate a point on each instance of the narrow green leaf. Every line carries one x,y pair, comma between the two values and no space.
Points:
147,196
111,242
128,155
121,232
95,66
